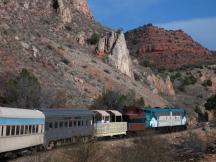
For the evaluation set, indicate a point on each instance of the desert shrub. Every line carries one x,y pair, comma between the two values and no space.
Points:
106,59
207,83
23,91
188,80
116,100
211,103
65,61
148,149
175,76
68,28
145,63
94,39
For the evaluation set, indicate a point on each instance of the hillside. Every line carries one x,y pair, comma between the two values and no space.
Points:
50,39
166,48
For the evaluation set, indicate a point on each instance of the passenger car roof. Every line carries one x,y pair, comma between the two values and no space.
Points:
102,112
66,112
6,112
115,112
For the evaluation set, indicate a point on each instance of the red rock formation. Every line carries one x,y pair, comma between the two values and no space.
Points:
169,49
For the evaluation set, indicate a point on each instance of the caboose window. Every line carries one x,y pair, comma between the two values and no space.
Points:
8,130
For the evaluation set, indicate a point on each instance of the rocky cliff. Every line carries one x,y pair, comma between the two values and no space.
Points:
166,48
49,39
114,47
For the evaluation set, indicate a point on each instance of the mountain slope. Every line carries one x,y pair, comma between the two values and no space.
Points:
49,38
166,49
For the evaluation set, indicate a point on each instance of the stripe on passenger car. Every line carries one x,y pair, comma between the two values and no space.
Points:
15,121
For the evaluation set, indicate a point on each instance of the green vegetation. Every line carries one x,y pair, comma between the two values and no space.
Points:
207,83
24,91
188,80
211,103
94,39
145,63
115,100
175,76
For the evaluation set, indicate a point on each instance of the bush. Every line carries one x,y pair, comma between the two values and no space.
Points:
211,103
189,80
115,100
207,83
175,76
94,39
145,63
24,91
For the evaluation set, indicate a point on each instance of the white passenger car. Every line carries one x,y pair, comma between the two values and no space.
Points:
20,128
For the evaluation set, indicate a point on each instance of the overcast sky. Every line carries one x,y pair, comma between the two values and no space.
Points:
196,17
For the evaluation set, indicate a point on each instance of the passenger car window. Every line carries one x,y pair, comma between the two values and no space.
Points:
22,130
75,123
37,128
66,124
8,130
13,130
51,125
56,124
33,128
30,129
70,123
17,130
61,124
26,129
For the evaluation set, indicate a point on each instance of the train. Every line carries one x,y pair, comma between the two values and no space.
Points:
22,129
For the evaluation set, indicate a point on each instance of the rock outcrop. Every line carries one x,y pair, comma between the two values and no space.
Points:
160,86
114,46
66,7
166,48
